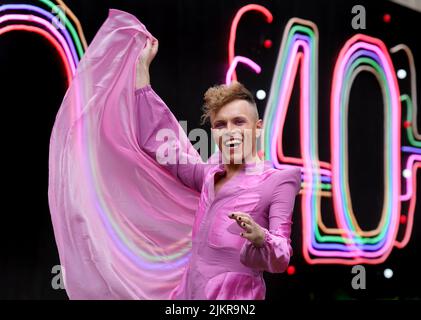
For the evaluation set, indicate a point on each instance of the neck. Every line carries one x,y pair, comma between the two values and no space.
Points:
232,168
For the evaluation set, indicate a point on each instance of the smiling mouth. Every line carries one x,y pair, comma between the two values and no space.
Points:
233,143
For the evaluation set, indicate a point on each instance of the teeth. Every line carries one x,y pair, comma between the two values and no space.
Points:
232,143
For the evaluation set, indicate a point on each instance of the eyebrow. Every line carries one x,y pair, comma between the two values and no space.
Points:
218,122
234,119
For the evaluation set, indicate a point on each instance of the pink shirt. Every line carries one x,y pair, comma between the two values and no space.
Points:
224,265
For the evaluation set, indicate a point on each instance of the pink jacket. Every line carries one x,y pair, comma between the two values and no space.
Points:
224,265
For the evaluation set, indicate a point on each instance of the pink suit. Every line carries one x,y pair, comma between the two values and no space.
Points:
223,264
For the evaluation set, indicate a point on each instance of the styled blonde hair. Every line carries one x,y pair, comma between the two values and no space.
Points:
219,95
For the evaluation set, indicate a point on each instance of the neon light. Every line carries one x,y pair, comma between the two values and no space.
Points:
410,56
341,198
63,17
234,26
251,64
414,162
70,13
51,39
298,35
411,150
267,43
34,19
49,18
348,243
410,129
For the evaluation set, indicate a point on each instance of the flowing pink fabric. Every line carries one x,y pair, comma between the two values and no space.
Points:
129,226
122,223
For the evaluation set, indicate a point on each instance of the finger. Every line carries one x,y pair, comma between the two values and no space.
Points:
241,217
246,235
234,214
154,44
238,214
246,226
147,44
155,48
247,220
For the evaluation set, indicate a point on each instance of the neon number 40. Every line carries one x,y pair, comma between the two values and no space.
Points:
347,243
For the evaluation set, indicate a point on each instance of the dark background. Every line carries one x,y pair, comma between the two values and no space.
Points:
193,56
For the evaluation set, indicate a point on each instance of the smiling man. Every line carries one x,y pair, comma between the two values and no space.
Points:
243,220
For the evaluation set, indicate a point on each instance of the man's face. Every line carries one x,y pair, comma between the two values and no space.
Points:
235,128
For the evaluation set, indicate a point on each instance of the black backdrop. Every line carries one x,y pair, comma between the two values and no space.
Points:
193,56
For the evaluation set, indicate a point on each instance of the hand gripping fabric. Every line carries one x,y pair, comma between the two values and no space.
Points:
122,222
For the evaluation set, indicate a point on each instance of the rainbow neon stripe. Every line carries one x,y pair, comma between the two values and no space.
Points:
52,24
348,243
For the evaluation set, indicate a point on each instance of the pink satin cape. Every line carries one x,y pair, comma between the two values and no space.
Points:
122,223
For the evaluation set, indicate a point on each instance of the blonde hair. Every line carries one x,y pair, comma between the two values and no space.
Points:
219,95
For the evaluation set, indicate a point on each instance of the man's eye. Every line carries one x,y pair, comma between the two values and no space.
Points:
219,126
240,121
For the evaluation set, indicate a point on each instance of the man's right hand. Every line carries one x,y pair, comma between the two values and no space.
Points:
146,57
149,52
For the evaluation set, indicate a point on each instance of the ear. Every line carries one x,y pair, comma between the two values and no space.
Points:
259,127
